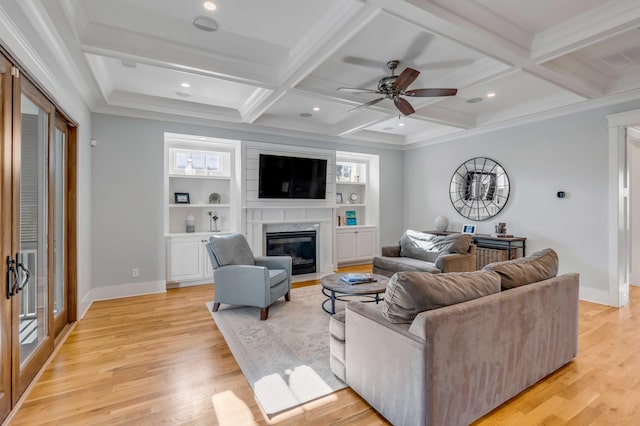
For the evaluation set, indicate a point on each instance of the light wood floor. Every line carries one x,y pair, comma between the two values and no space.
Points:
160,359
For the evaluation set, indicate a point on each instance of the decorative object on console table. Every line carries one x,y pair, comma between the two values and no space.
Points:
468,229
351,217
191,223
182,198
441,223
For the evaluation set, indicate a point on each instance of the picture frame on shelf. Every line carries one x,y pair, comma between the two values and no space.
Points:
468,229
339,199
182,198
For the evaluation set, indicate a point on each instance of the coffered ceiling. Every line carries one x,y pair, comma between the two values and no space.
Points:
277,64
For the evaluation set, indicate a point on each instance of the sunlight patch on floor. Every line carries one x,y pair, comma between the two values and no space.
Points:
231,410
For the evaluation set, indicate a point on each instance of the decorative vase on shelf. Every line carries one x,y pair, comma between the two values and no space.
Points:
188,169
191,223
441,223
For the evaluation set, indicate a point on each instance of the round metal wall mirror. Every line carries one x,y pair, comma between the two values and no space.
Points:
479,188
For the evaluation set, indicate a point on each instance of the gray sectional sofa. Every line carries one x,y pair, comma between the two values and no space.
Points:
445,349
419,251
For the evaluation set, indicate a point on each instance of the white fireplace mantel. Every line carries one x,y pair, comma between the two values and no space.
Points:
259,221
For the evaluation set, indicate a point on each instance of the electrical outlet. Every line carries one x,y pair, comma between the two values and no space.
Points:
135,272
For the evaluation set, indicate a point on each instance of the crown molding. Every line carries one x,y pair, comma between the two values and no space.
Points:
536,117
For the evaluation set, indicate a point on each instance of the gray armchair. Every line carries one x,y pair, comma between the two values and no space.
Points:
242,279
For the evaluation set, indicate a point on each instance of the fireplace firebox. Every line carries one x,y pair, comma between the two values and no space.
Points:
300,245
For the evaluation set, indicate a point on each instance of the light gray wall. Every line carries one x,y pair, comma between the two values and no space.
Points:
24,42
127,187
568,153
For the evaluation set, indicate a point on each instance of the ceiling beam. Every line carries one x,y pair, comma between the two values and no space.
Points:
346,24
595,25
117,43
358,121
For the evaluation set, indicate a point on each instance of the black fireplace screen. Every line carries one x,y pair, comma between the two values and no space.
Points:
301,246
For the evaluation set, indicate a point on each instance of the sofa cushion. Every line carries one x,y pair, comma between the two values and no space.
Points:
409,293
400,264
538,266
423,246
231,249
276,276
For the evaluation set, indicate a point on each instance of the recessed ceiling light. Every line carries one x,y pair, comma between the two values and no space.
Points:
205,23
401,124
209,5
491,95
306,115
203,139
474,100
316,108
183,93
185,85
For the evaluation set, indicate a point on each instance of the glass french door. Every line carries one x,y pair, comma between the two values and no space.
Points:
35,222
5,237
32,234
58,163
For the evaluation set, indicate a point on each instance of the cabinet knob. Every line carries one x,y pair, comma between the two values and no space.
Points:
203,241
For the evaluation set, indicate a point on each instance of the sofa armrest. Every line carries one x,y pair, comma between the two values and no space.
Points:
242,285
385,364
453,262
391,251
275,262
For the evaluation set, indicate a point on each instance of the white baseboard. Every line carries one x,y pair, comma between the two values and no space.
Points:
173,284
594,295
84,305
127,290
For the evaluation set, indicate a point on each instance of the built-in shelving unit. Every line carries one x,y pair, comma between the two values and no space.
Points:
201,182
357,197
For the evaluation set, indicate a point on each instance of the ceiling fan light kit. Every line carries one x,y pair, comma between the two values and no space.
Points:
394,86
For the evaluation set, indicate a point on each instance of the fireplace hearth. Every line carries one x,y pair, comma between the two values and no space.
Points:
300,245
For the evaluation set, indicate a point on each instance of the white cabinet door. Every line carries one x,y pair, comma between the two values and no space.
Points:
346,242
365,243
208,270
185,259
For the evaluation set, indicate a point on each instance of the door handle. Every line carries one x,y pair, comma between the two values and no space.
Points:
25,270
12,277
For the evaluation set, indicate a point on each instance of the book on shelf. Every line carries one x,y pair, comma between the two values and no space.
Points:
356,278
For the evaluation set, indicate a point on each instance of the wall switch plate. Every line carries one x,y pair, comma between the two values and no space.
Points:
135,272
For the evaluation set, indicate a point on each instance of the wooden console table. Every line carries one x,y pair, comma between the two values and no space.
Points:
493,249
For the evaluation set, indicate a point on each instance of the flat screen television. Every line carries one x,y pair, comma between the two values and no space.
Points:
292,177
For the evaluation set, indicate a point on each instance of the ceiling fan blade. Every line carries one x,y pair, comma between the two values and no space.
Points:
375,101
354,60
417,46
405,78
403,106
430,93
356,90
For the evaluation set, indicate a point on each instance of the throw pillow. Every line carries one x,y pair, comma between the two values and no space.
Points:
409,293
418,245
538,266
423,246
232,249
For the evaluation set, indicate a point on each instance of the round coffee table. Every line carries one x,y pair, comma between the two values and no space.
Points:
336,289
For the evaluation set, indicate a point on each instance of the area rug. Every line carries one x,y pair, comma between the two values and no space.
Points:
285,358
